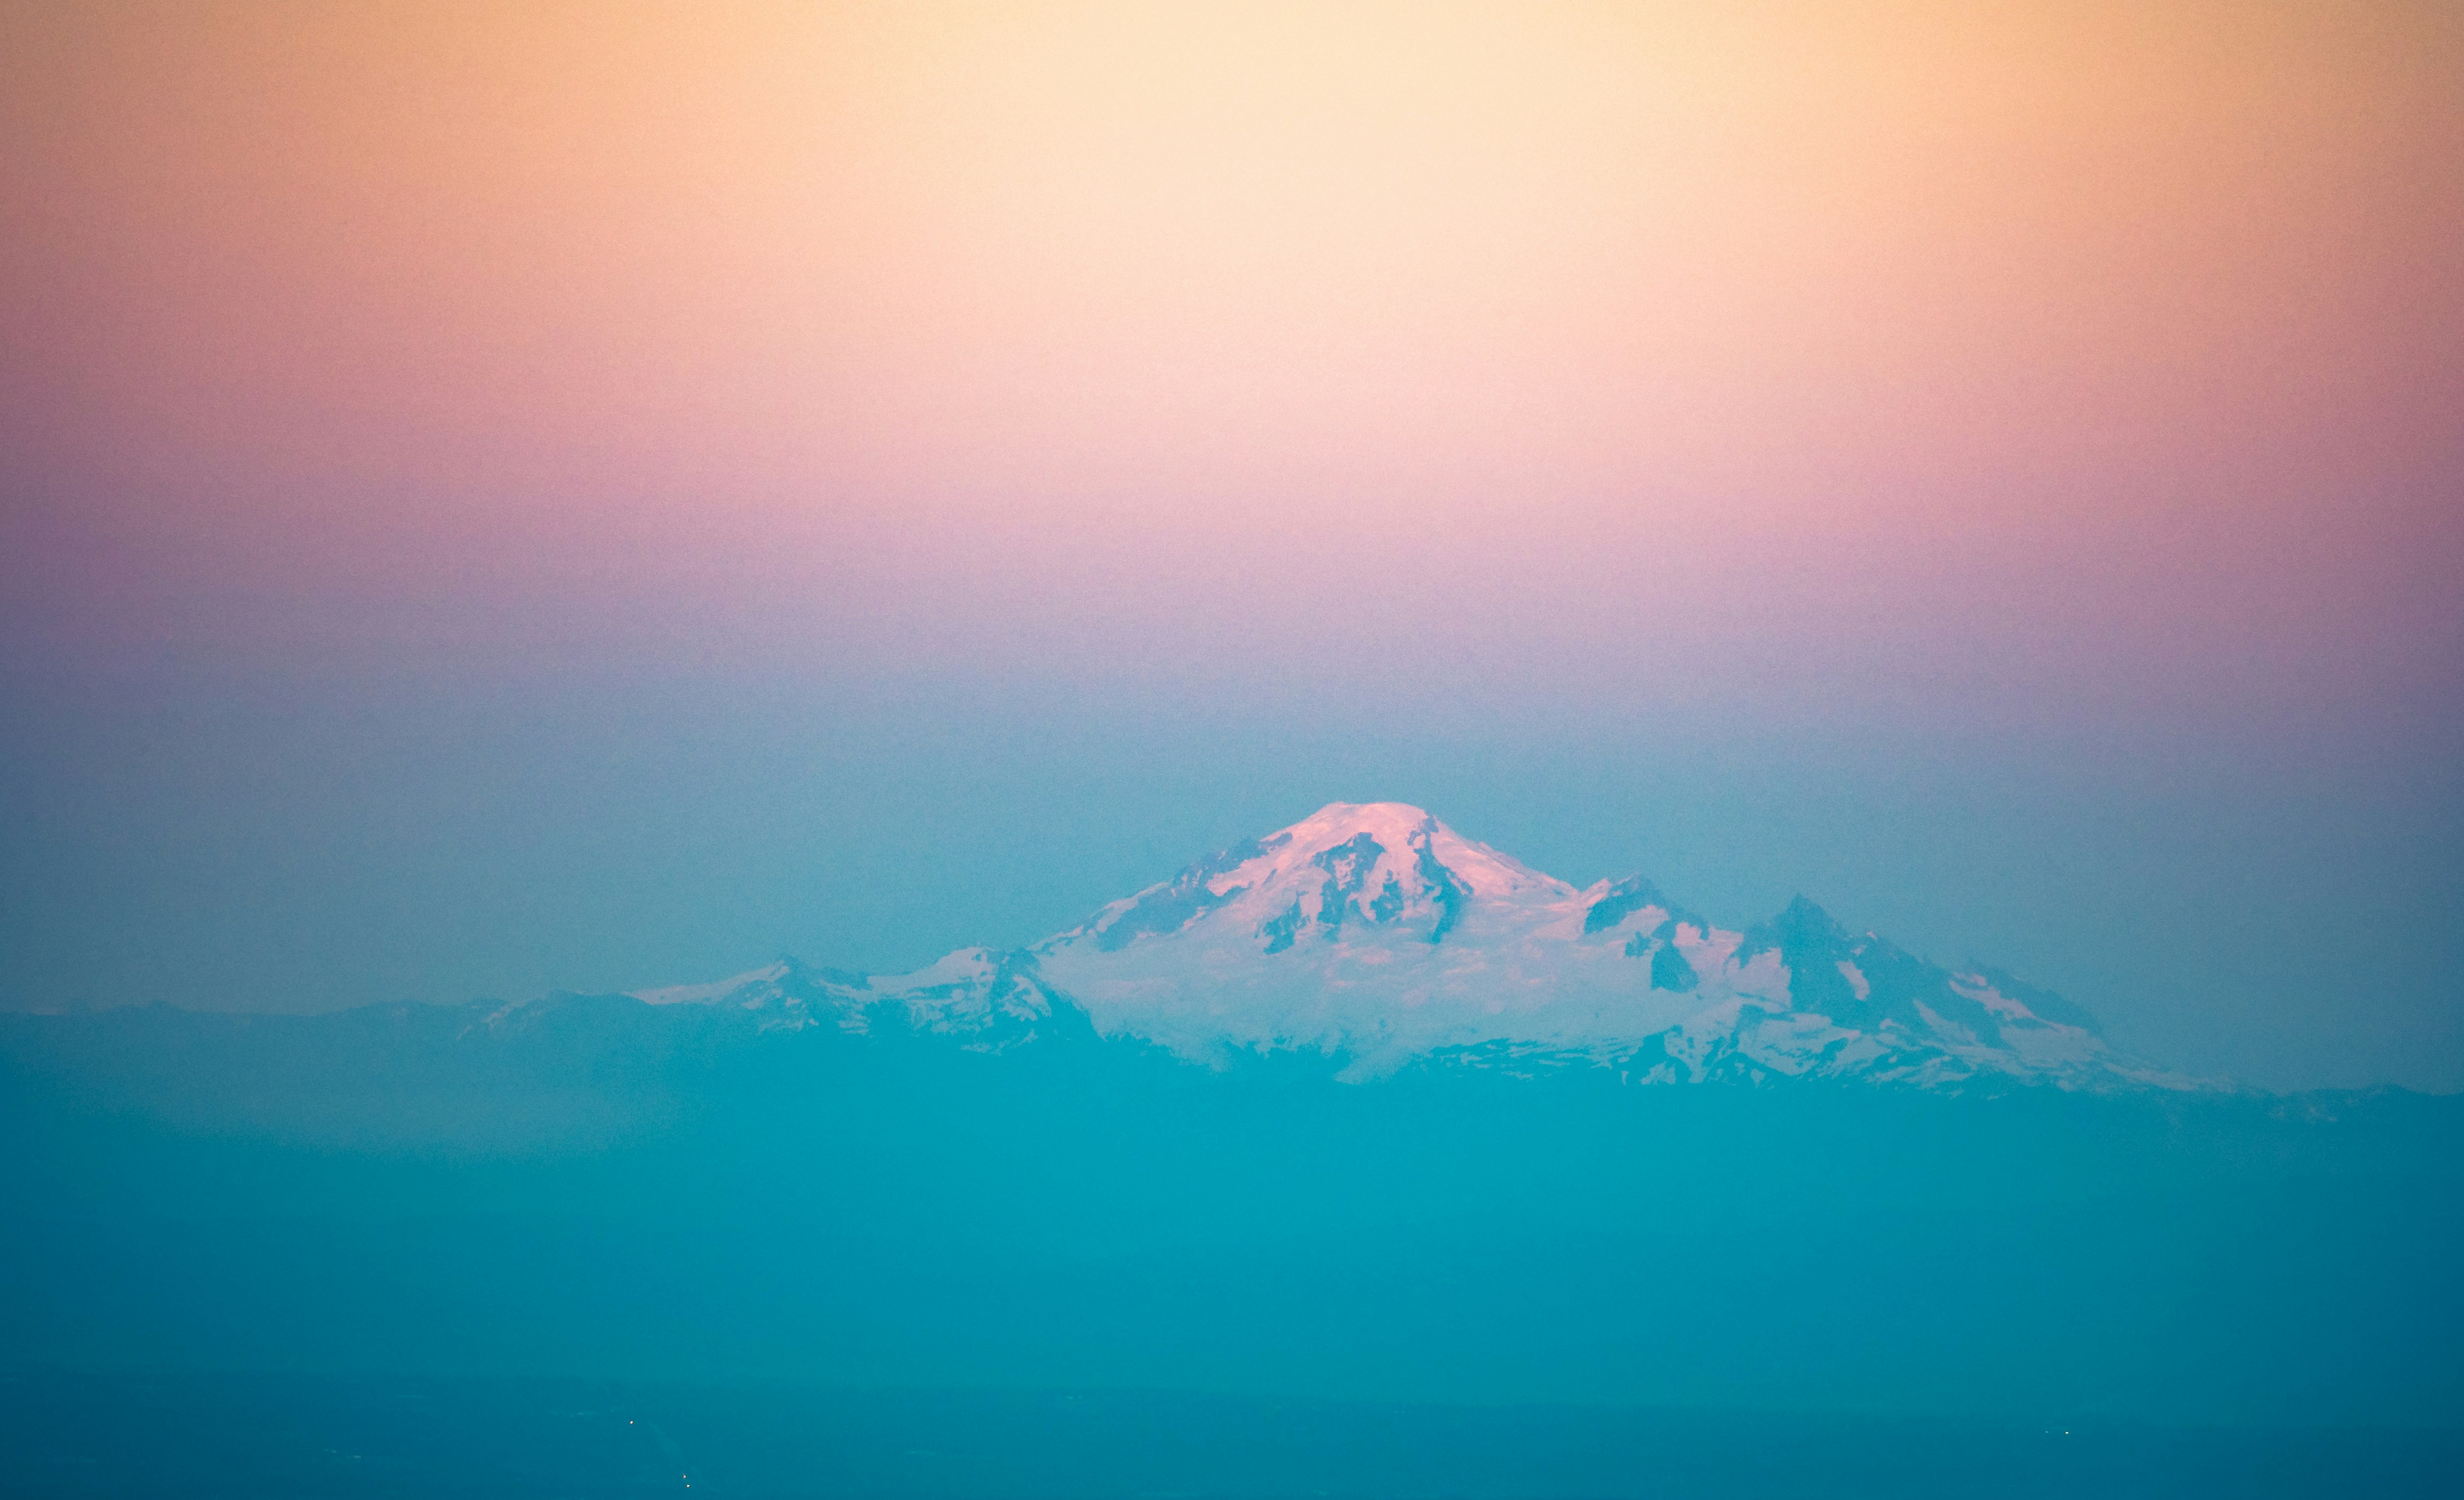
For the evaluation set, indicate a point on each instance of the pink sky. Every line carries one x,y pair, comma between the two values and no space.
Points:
1617,350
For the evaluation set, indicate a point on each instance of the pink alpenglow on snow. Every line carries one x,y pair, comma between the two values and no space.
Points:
1375,935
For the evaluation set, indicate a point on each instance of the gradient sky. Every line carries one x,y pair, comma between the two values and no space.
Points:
502,498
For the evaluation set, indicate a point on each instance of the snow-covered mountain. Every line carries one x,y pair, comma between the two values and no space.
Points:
1377,936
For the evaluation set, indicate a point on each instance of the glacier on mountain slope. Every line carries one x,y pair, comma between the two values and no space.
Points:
1377,936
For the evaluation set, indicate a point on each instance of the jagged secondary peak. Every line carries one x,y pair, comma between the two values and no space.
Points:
1611,905
1800,928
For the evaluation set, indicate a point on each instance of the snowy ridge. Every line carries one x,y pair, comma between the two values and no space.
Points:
1377,936
986,1001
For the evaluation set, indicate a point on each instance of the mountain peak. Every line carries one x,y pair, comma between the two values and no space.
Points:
1801,927
1388,821
1396,828
1385,867
1372,933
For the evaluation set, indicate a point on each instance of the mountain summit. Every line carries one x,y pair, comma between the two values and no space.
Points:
1375,935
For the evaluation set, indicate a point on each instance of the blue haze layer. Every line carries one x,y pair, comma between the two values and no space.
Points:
594,1188
2282,907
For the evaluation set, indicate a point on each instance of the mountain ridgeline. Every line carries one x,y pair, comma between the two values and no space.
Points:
1377,937
1362,1110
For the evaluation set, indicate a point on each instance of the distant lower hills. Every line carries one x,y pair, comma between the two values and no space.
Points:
1362,1110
